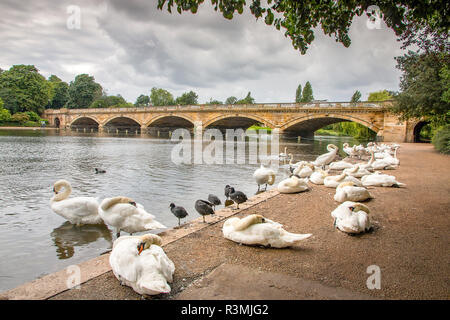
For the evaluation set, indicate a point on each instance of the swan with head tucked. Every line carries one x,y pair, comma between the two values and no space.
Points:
78,210
293,185
326,158
304,170
357,171
334,181
380,180
141,263
351,217
264,175
124,214
350,151
257,230
340,165
347,191
318,176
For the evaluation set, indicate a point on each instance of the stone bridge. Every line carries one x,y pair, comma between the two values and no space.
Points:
300,119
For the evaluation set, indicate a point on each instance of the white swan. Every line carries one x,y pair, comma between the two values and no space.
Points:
283,155
350,151
318,176
347,191
257,230
326,158
340,165
351,217
383,164
357,171
78,210
124,214
334,181
304,170
264,175
380,180
141,263
393,160
293,185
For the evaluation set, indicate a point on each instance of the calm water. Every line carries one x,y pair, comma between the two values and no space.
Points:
34,241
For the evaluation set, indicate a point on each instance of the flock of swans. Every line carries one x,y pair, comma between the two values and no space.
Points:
141,263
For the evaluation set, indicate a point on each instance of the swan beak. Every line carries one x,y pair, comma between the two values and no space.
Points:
132,203
140,248
351,208
56,192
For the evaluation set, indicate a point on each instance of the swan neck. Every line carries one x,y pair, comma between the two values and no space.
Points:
67,190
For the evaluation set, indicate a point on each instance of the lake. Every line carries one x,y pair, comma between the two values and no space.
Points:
35,241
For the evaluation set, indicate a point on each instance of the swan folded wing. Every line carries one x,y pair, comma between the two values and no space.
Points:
155,271
76,207
123,259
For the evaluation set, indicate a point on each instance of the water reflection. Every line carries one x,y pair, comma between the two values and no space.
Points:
68,236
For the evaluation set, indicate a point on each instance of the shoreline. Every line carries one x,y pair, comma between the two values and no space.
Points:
409,242
28,128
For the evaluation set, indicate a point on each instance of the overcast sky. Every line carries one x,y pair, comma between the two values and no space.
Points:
130,47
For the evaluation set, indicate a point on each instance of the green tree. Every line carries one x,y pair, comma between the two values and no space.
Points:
107,101
59,92
211,101
23,88
298,94
307,94
231,100
247,100
356,97
5,115
381,95
299,18
161,97
83,91
187,98
142,101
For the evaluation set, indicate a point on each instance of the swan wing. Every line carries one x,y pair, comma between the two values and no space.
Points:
76,207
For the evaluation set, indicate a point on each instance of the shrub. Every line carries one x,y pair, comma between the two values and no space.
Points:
33,116
5,116
20,117
441,139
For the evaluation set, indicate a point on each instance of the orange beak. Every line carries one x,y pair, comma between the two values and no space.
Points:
140,248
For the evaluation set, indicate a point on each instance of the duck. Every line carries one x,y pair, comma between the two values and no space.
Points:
77,210
264,175
178,212
214,200
124,214
140,263
258,230
340,165
304,170
293,185
381,180
204,208
352,217
227,191
318,176
334,181
347,191
97,170
238,197
326,158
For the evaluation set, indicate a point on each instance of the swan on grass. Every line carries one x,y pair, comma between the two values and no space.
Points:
77,210
347,191
124,214
334,181
351,217
264,175
326,158
293,185
257,230
380,180
141,263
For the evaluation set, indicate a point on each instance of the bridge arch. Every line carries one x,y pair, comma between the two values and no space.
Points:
179,120
84,122
311,123
122,123
243,120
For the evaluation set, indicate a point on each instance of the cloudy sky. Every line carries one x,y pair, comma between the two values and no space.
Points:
130,47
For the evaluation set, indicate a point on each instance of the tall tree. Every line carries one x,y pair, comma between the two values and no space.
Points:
356,97
187,98
108,101
299,18
381,95
83,91
142,101
298,94
307,94
247,100
231,100
214,101
161,97
23,88
59,92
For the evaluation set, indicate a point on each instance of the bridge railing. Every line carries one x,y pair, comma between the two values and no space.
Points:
206,107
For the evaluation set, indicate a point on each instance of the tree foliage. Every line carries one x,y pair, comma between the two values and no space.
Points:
187,98
108,101
83,91
356,97
142,101
161,97
231,100
441,139
214,101
298,94
299,18
381,95
247,100
59,92
307,94
23,88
